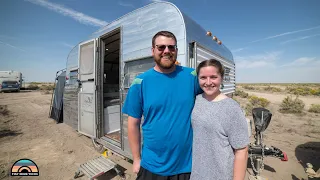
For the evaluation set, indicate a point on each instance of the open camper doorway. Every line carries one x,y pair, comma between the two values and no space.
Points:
110,45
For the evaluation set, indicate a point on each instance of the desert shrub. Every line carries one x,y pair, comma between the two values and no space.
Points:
315,92
259,102
248,87
35,83
272,89
33,87
303,91
47,87
255,102
290,105
248,109
314,108
241,94
4,110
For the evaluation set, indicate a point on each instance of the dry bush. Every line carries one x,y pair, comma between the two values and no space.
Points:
314,108
272,89
33,87
248,109
4,110
315,92
290,105
47,87
35,83
303,91
241,94
258,101
255,102
248,87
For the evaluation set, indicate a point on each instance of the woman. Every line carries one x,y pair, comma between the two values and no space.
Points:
220,134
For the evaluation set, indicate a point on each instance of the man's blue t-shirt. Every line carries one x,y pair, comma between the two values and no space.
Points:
166,102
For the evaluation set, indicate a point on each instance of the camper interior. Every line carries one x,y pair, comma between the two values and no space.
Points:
111,94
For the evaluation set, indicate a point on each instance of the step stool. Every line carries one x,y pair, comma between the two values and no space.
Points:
97,167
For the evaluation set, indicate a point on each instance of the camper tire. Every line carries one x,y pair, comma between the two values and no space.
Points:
98,147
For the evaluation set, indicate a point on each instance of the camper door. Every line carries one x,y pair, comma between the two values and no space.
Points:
87,88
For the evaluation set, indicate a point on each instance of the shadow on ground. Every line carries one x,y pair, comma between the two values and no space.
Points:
6,133
266,167
112,174
309,153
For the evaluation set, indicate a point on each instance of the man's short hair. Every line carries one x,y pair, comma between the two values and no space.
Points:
163,33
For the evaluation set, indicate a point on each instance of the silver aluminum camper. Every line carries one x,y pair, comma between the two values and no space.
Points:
101,68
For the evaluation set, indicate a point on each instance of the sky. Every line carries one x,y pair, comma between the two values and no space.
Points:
271,41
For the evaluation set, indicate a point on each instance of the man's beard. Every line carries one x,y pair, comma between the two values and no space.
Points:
165,65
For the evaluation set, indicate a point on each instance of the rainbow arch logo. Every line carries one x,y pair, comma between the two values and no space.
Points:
24,167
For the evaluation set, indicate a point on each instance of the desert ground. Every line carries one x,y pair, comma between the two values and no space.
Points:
27,132
58,150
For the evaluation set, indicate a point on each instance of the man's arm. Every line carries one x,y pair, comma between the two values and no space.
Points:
134,109
240,163
134,137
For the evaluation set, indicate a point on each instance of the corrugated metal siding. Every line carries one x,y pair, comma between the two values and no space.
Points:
139,26
196,33
229,75
70,106
70,97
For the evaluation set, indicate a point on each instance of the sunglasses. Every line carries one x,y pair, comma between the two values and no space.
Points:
163,47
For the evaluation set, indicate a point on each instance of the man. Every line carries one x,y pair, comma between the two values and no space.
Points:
164,95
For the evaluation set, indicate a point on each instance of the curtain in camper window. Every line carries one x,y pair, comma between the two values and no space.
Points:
134,68
86,53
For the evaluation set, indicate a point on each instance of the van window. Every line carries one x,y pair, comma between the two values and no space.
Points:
10,82
134,68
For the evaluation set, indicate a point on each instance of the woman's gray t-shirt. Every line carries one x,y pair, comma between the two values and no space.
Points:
218,128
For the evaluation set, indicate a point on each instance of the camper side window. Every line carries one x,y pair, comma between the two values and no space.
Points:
73,76
128,79
133,68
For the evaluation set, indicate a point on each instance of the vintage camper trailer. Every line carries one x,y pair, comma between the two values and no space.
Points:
101,69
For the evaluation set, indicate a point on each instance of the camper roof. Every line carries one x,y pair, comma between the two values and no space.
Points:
156,12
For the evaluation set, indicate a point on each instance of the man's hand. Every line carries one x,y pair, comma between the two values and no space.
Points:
134,141
136,166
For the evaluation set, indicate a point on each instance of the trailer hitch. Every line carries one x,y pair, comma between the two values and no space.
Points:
268,151
257,150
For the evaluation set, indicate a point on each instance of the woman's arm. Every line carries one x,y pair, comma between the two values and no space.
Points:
240,163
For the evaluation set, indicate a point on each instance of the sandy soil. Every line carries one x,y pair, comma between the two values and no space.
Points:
58,150
27,132
297,135
277,98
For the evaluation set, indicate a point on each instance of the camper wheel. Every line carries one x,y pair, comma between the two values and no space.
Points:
98,147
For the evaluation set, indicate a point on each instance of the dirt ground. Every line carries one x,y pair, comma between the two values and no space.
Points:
58,150
27,132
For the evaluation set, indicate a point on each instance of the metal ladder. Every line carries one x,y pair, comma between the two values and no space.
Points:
97,167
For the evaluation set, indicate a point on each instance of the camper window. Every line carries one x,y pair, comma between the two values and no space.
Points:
86,53
133,68
73,76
